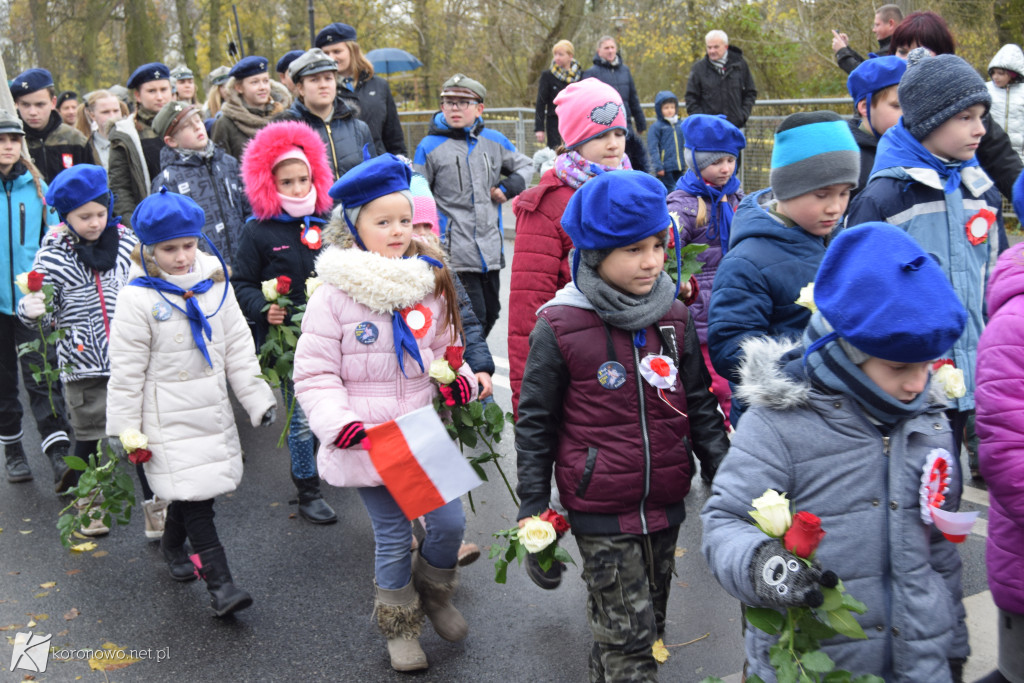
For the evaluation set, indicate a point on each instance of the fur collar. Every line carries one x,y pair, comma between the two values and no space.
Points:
381,284
764,381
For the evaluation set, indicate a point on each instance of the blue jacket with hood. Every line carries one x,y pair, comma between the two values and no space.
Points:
664,139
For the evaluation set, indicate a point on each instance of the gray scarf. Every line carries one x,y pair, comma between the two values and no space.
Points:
204,153
625,311
720,63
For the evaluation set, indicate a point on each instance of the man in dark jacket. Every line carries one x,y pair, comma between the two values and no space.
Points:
720,82
53,144
886,19
608,67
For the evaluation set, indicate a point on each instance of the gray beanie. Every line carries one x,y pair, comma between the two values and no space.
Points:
935,89
704,159
594,257
813,149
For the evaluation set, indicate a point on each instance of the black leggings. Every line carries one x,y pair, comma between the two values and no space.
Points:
194,518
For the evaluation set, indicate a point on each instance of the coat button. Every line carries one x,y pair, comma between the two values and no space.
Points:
183,375
937,425
879,628
876,502
895,630
894,505
179,337
837,404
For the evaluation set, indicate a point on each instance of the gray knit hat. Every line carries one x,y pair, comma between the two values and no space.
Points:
935,89
813,149
704,159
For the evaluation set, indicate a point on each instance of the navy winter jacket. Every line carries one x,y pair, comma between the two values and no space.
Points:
664,139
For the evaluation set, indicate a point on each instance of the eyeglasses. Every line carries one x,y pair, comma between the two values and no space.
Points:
457,104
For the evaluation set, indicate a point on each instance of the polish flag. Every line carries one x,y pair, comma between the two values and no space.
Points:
420,464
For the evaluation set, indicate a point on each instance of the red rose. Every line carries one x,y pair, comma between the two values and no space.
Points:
939,363
140,455
453,354
35,281
557,521
284,284
804,535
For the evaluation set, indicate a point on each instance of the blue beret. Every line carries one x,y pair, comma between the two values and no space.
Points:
287,59
373,178
30,81
76,186
249,66
334,33
706,133
886,296
154,71
616,209
166,216
873,75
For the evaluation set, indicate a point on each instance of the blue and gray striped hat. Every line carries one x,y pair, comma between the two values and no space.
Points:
813,149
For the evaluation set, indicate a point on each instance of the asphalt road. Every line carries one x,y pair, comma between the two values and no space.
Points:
313,589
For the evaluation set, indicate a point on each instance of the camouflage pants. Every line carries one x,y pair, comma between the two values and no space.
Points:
628,579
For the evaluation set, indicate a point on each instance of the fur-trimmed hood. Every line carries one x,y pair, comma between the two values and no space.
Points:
260,154
206,265
381,284
765,381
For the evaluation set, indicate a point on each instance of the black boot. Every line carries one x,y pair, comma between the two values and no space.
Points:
172,547
17,465
225,597
312,506
63,476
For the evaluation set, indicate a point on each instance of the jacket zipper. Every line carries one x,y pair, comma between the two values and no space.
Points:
334,155
675,137
886,450
646,438
10,244
220,207
21,210
458,169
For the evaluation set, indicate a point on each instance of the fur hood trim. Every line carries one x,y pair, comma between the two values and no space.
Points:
336,231
764,381
381,284
258,159
207,264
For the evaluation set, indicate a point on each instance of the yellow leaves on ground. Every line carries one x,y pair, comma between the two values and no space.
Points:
83,547
110,657
48,584
659,651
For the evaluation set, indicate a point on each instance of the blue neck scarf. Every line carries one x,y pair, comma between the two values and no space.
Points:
899,148
197,320
405,340
720,221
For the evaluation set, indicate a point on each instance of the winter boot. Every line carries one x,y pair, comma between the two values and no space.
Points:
435,587
17,465
225,597
312,506
400,619
172,547
63,476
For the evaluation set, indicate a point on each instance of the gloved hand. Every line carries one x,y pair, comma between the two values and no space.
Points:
351,434
781,579
34,305
269,417
457,393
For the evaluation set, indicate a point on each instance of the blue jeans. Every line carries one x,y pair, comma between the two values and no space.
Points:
300,438
392,533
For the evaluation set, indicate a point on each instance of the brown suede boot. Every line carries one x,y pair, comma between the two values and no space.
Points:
400,620
436,587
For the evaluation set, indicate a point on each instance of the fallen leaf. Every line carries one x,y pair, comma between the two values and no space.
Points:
28,677
680,551
48,584
24,533
659,651
292,516
111,657
11,627
83,547
274,505
24,519
39,617
100,553
31,624
62,634
72,614
78,535
72,572
13,573
41,595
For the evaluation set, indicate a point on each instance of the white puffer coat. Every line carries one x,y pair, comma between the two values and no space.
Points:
1008,103
161,385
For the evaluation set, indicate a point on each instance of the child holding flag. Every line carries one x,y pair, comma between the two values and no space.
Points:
386,310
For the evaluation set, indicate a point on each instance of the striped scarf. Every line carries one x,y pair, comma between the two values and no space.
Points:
828,365
570,75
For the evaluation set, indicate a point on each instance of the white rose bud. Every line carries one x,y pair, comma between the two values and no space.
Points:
311,284
537,534
771,513
133,440
270,289
22,282
951,379
806,298
442,371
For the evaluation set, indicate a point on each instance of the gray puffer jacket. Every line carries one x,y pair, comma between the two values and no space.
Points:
820,448
462,165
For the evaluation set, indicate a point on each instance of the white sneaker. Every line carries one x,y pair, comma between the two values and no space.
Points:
155,513
90,527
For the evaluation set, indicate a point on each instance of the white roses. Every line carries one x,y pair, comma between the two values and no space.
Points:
771,513
536,534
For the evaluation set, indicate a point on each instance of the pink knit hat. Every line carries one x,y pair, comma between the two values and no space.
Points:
424,208
586,109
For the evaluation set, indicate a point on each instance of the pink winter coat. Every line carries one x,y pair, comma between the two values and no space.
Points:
999,398
345,371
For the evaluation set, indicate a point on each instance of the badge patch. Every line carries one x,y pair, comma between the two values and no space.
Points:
68,160
161,310
611,375
366,333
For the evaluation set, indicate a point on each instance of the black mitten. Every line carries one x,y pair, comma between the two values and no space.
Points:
781,579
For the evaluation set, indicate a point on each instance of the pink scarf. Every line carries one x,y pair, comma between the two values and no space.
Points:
297,207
